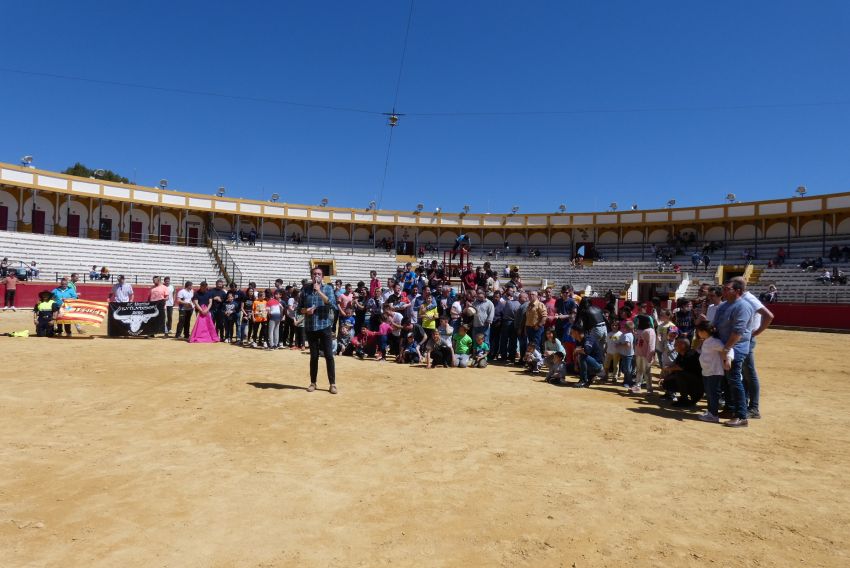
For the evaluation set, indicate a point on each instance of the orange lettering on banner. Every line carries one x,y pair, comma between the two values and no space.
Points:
83,312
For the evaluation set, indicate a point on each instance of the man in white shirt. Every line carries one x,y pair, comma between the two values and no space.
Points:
169,304
762,317
121,291
715,298
184,310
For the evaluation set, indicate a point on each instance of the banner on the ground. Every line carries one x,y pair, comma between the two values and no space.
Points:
84,312
131,319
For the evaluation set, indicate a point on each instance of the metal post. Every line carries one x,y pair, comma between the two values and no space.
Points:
788,243
755,241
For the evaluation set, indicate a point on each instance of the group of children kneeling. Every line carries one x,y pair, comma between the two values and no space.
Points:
690,368
430,343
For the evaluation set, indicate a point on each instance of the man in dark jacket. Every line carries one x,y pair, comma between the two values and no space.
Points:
684,376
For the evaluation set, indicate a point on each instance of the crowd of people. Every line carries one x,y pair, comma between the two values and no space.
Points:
697,348
23,271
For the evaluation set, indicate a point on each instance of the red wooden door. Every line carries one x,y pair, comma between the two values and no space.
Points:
135,231
4,218
73,225
38,222
193,236
165,234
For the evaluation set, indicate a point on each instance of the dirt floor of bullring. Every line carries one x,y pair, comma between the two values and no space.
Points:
156,452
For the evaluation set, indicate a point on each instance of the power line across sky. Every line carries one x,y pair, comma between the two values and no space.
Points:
556,103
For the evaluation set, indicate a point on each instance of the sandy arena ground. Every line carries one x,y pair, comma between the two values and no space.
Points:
159,453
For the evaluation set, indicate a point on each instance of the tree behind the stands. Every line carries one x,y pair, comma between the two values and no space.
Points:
80,170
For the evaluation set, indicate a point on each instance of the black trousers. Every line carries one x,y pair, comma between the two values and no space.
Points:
288,332
321,338
10,298
44,329
220,324
184,323
441,355
168,318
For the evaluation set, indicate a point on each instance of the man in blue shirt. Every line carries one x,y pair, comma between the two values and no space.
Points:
589,355
60,294
733,326
408,279
318,304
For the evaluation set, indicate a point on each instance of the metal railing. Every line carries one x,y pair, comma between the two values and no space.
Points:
223,258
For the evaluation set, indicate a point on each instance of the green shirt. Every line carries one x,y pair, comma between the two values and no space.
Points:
463,345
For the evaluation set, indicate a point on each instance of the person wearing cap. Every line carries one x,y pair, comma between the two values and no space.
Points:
122,292
44,314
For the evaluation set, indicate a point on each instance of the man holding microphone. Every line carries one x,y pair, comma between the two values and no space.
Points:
318,304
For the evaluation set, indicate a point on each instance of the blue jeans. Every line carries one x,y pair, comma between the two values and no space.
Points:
483,329
587,363
627,368
711,384
239,332
599,333
751,378
534,336
735,381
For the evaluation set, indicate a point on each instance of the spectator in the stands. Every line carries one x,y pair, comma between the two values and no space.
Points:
770,296
33,271
845,253
4,266
780,256
104,273
93,273
834,253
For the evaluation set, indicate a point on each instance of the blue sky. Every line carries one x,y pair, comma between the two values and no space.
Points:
676,66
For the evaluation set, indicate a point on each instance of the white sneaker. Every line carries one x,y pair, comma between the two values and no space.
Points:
227,341
709,417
